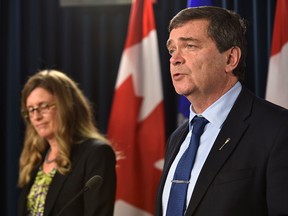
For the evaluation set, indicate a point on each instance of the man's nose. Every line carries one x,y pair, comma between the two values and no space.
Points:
176,58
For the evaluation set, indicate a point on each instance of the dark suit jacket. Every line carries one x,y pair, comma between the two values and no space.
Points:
88,159
249,175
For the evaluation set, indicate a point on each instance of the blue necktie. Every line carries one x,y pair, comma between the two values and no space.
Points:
177,198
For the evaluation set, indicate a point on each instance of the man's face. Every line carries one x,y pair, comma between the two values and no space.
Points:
197,67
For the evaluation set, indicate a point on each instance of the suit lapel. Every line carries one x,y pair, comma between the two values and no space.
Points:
58,182
176,142
24,193
233,129
173,145
54,189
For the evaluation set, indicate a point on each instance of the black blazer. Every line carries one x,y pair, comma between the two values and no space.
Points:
249,175
88,159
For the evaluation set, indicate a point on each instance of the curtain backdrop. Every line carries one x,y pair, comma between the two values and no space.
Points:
87,43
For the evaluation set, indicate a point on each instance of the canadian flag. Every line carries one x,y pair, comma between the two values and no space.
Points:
277,83
136,124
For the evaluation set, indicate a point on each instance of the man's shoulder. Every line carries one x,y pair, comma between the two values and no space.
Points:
261,106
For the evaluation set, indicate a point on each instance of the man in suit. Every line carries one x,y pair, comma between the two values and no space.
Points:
241,165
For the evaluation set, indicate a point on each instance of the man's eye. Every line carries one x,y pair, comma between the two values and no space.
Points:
190,46
171,51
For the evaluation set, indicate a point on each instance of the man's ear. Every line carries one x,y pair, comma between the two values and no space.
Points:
233,57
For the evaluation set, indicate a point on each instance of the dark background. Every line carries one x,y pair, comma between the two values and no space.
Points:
87,43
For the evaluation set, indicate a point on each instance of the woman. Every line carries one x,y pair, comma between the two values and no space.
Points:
62,151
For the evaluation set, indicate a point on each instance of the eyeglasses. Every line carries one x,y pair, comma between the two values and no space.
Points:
42,108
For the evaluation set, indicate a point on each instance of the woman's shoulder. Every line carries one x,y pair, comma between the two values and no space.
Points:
92,149
92,145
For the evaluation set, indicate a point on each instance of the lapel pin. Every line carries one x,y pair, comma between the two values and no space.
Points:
227,140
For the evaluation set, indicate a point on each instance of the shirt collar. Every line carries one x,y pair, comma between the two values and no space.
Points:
219,110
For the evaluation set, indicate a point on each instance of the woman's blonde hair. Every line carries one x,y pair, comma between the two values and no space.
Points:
74,117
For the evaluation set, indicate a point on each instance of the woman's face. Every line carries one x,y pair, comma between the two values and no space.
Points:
41,108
